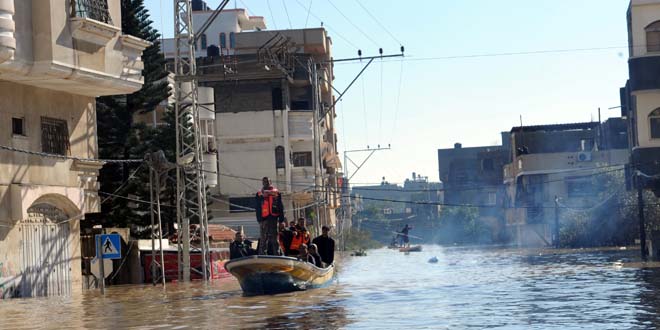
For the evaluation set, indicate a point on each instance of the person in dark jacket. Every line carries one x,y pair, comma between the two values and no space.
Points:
285,236
240,247
313,251
305,256
269,212
326,246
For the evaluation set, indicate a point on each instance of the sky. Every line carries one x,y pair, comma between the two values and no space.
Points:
461,79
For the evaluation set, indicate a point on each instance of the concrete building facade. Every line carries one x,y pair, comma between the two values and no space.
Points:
552,162
640,98
473,176
56,57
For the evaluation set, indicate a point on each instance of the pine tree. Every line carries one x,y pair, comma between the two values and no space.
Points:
120,138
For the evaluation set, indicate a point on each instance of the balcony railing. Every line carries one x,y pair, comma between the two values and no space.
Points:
92,9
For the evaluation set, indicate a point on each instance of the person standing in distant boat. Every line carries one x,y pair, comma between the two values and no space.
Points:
270,212
405,240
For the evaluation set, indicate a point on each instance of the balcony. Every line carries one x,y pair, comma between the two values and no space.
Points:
91,22
300,126
71,46
644,73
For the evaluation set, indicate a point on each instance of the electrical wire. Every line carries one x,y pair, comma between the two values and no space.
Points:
271,13
91,160
353,24
380,113
378,22
398,102
325,25
287,14
308,10
123,183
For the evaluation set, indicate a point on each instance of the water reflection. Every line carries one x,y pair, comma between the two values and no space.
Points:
468,287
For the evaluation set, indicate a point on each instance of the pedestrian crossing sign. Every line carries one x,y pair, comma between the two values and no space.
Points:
108,246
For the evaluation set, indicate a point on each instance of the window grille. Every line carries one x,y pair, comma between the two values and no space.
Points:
92,9
302,159
54,136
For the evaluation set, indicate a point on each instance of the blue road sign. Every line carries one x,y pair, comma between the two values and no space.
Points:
108,246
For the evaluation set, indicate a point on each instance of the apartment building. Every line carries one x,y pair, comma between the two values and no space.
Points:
473,176
274,120
56,57
557,162
640,98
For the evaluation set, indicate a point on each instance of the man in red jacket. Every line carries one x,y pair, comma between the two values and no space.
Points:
270,212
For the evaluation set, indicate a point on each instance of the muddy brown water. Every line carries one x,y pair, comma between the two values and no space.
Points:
467,288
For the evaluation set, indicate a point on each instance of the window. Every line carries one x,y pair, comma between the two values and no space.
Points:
54,136
18,126
654,121
279,157
232,40
223,41
203,41
92,9
653,37
302,159
579,187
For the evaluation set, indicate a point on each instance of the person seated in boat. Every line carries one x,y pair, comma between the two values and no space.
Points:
269,212
300,236
304,254
285,236
326,245
301,228
314,252
240,247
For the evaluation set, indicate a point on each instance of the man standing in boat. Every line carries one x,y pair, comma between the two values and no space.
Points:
270,212
405,240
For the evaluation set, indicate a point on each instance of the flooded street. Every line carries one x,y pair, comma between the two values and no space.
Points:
467,288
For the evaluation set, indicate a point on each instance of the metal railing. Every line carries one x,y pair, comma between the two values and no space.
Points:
92,9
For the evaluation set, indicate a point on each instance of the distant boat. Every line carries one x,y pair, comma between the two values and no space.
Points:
359,253
264,275
416,248
433,260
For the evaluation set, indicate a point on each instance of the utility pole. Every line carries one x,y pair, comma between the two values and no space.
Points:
190,182
640,214
556,241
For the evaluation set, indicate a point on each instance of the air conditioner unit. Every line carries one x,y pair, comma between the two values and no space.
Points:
584,157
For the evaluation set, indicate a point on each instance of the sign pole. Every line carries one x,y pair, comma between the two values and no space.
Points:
101,260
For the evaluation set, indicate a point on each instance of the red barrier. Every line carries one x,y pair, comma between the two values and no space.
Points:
218,260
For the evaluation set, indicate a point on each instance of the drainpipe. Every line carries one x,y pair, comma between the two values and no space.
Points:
7,29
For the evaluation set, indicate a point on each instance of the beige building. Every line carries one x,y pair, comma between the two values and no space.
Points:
557,161
640,99
56,57
266,105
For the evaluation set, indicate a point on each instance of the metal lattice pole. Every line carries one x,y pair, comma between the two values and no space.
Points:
191,187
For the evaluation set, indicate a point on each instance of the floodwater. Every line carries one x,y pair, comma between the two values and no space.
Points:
467,288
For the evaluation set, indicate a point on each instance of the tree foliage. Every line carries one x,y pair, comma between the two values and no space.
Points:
119,137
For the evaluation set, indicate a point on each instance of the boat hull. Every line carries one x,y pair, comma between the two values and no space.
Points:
417,248
265,275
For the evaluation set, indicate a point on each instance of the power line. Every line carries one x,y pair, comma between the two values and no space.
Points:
353,24
325,25
398,102
287,14
49,155
271,14
308,10
378,22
